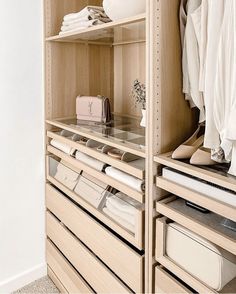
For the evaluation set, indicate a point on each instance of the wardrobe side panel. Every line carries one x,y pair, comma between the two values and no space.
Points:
57,9
177,119
129,65
101,71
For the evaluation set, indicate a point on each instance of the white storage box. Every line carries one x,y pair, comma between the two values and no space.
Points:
203,260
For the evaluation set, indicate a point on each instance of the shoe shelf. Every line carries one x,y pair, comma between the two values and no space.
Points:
208,225
124,133
213,174
105,33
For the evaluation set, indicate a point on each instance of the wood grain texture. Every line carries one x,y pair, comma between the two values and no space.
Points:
101,279
124,261
64,271
166,284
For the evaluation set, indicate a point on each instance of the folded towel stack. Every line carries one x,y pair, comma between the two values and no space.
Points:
88,17
126,179
122,209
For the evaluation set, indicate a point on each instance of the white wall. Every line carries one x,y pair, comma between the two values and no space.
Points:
22,257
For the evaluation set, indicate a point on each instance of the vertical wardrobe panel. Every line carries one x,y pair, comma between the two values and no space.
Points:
129,65
55,11
176,117
101,70
61,82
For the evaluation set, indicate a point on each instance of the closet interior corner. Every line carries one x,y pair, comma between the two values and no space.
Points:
121,192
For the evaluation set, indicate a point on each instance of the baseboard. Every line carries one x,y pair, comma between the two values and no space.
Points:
23,279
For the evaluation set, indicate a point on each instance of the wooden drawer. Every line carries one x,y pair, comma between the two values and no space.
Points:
118,256
64,272
129,168
166,284
78,165
206,225
101,279
56,280
136,238
168,263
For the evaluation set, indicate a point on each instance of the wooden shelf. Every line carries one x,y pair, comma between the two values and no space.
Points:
103,136
207,225
209,174
200,199
103,33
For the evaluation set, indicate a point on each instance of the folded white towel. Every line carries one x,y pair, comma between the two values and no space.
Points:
123,215
119,220
121,205
63,147
75,30
96,164
87,11
125,178
86,18
81,24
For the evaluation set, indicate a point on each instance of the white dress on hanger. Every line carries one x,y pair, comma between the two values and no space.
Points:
224,105
191,59
215,14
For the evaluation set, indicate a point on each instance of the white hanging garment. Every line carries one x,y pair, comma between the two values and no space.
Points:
183,22
203,44
224,105
215,12
191,59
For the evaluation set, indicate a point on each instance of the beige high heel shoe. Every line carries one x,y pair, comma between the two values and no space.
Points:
189,147
202,157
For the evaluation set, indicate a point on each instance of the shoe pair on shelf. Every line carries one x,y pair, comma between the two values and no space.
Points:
193,149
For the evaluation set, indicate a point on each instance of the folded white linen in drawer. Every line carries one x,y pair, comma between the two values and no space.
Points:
205,261
66,176
126,179
119,220
91,189
200,186
63,147
94,163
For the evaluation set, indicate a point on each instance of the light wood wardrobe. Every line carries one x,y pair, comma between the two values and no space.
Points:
86,250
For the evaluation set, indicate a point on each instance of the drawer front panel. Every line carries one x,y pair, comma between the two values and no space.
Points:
118,256
166,284
56,281
68,276
93,271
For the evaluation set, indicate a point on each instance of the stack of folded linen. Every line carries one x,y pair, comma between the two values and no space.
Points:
88,17
123,212
132,182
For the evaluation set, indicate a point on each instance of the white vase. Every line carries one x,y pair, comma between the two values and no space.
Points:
144,118
118,9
